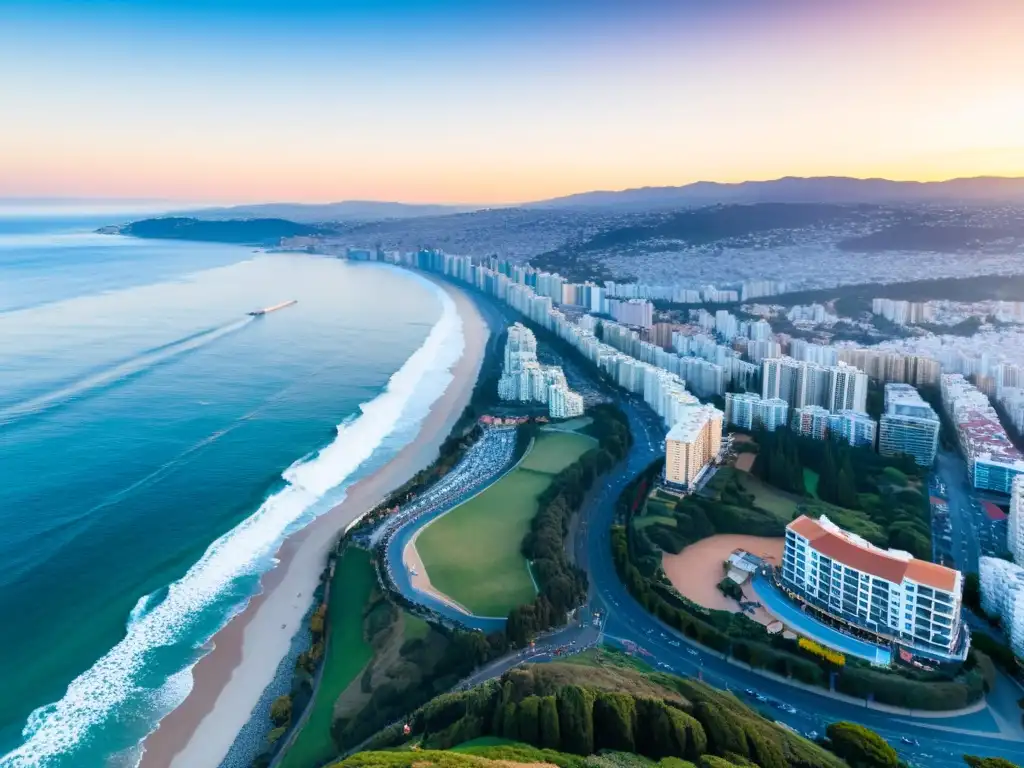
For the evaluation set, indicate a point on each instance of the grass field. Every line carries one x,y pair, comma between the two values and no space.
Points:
472,553
811,482
414,628
347,654
483,741
645,520
768,498
554,451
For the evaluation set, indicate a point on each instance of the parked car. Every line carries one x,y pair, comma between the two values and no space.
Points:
909,741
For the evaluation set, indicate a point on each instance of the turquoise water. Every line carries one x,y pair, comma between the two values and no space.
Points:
156,443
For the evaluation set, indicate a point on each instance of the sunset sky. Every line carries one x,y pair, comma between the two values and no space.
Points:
475,101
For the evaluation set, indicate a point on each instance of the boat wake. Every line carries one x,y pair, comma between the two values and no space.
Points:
175,622
120,372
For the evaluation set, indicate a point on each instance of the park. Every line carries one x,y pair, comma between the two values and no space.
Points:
472,554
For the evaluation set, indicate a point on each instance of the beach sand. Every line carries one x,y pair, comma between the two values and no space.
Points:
421,580
228,682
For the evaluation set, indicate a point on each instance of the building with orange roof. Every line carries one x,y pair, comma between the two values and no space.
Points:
885,593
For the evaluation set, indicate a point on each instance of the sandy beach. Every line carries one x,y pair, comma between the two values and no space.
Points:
228,682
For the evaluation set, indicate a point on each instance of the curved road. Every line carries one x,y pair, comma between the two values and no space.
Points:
943,740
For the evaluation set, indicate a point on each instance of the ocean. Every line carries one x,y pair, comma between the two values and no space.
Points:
156,445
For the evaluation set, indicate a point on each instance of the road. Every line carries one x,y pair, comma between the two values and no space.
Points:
943,740
965,513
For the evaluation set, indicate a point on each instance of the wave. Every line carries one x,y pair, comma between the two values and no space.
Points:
183,621
131,367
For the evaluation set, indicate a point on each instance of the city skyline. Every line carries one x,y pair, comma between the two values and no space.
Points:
450,102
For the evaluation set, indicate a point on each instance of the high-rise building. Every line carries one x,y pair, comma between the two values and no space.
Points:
692,445
636,312
779,379
1015,522
748,410
1002,595
853,427
811,421
889,593
563,403
908,426
847,388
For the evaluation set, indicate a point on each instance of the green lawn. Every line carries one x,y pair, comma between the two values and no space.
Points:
483,741
811,482
769,498
347,654
554,451
575,425
645,520
472,553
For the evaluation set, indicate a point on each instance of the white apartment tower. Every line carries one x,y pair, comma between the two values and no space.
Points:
1015,523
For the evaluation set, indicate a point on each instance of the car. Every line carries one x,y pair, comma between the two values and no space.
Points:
750,692
674,643
693,651
811,735
789,709
761,697
909,741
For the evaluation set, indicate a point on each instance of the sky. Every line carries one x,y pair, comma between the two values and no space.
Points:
477,101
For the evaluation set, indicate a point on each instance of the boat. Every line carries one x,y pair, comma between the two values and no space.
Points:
268,310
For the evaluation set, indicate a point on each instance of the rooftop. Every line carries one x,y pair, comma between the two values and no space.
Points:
851,550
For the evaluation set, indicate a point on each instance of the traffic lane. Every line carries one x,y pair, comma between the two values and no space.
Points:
814,712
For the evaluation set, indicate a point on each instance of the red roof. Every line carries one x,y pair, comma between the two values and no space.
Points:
994,512
872,560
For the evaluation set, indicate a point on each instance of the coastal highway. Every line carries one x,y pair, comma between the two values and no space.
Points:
994,730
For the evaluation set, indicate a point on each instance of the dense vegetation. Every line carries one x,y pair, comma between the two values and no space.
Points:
562,585
885,489
245,231
579,710
638,563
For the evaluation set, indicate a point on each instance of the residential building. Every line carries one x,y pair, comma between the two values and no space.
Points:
1015,521
992,460
563,403
1002,595
853,427
635,312
692,445
748,410
811,421
909,425
847,388
886,593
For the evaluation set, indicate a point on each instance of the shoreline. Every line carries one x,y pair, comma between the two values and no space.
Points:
229,680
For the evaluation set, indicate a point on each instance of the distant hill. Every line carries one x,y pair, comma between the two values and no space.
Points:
242,231
826,189
348,210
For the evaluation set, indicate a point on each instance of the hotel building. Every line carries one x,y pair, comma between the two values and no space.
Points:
886,594
692,445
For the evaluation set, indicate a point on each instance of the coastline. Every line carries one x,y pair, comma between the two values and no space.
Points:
228,681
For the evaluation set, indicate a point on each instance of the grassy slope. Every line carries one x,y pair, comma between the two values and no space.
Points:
347,654
472,553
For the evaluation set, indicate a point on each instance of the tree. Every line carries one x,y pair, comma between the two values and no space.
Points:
281,710
614,722
860,747
576,719
972,592
529,720
550,730
989,762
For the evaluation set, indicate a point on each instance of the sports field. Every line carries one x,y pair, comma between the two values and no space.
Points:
472,553
347,654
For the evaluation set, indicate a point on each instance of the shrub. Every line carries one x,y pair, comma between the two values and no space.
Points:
860,747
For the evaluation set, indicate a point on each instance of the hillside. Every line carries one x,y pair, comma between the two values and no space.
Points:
601,703
824,189
266,232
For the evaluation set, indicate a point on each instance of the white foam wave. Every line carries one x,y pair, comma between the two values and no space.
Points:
101,694
135,365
